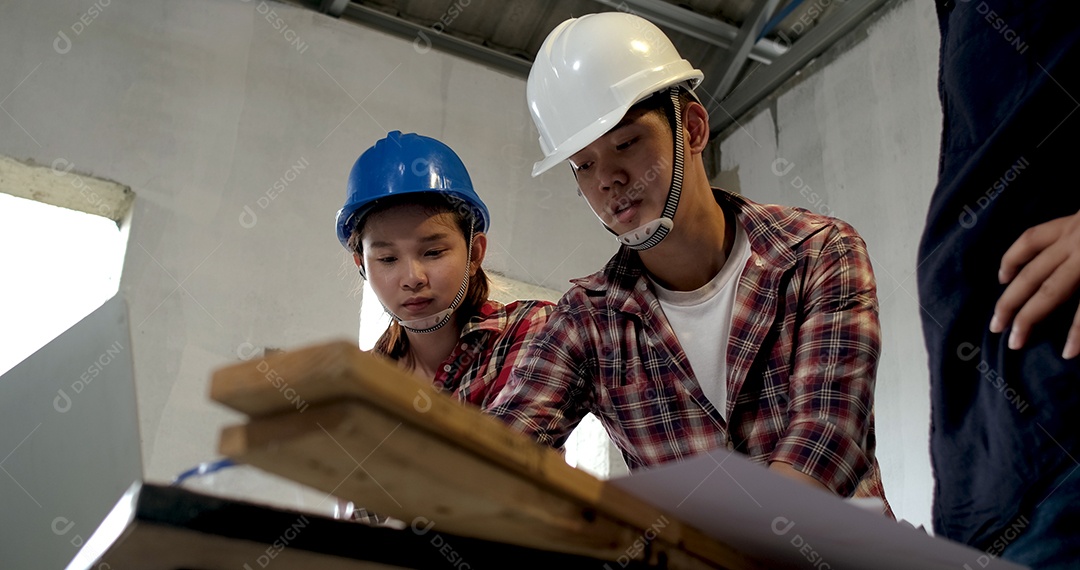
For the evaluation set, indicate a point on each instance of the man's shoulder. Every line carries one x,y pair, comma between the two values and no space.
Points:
776,224
609,290
618,274
589,291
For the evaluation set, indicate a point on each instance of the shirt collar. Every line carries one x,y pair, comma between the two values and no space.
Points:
773,232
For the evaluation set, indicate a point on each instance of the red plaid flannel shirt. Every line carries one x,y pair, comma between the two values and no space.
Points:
801,358
491,343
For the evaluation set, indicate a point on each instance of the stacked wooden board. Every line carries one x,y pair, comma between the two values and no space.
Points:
354,425
155,527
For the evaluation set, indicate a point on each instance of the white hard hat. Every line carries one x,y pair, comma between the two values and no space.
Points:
590,71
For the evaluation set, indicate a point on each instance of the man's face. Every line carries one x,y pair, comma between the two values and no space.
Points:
625,174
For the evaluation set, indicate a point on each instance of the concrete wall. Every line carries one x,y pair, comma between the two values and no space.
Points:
202,107
858,139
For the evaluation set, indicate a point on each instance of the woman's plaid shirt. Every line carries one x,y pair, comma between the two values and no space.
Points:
491,343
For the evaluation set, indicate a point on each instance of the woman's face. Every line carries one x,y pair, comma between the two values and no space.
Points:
415,260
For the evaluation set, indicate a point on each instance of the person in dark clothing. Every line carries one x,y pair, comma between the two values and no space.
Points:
998,278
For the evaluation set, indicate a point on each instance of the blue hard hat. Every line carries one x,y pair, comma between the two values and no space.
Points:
403,164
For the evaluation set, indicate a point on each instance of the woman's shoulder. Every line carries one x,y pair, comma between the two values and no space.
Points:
527,305
519,310
525,319
495,316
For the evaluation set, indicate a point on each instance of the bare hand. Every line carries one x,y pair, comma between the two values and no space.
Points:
1042,269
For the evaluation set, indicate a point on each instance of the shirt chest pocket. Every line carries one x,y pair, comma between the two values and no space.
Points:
638,380
633,394
646,418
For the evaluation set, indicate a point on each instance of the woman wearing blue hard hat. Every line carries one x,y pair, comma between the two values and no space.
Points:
416,229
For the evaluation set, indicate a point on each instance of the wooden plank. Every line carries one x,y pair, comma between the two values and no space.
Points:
169,528
352,424
361,453
154,547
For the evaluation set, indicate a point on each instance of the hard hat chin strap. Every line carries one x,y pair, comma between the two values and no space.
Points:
442,318
649,235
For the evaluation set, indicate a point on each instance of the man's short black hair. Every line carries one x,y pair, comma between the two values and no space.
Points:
661,102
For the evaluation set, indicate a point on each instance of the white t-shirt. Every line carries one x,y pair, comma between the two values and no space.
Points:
701,320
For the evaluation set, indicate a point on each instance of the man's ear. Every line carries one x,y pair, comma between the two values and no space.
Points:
696,123
479,248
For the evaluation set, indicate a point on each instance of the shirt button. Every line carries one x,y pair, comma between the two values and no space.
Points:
446,368
642,286
731,446
464,345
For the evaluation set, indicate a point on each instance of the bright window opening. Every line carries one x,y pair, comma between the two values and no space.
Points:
373,319
58,265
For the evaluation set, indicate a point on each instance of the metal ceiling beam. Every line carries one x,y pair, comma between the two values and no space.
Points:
846,17
695,25
425,38
736,58
333,7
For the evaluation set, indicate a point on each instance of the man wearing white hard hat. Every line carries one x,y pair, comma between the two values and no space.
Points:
720,322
